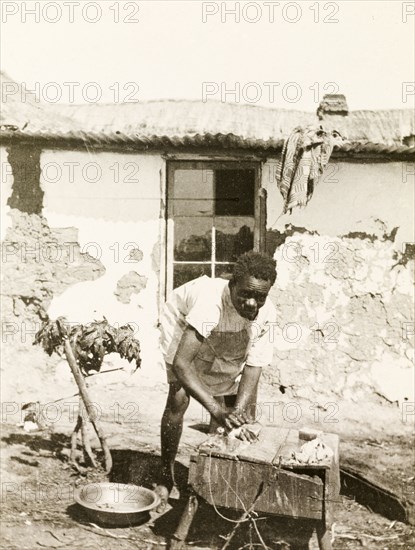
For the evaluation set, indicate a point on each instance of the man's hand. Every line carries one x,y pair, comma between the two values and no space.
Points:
244,433
237,422
230,419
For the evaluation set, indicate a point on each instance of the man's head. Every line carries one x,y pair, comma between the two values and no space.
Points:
253,276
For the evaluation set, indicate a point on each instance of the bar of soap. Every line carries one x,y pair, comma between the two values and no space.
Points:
308,434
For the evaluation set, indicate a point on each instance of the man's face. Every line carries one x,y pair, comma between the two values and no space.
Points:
248,295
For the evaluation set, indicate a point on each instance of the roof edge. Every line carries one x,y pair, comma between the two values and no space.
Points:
118,142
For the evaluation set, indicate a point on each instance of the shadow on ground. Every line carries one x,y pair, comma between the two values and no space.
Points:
54,442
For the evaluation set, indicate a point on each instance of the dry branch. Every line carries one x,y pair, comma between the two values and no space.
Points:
84,347
90,409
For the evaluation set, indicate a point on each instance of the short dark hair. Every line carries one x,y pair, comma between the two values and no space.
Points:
255,264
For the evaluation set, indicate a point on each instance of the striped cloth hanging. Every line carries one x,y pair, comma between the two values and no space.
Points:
304,157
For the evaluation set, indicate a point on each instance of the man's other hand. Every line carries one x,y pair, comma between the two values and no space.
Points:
244,433
231,419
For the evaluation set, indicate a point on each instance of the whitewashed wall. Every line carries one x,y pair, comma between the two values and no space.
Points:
344,290
114,201
109,203
350,197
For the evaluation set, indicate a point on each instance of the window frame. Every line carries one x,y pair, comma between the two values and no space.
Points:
259,206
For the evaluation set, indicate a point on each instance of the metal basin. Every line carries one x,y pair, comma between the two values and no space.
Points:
116,504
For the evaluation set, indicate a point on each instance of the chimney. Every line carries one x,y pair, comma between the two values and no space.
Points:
409,141
332,104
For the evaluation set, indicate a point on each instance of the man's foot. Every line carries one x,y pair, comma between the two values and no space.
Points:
168,481
163,493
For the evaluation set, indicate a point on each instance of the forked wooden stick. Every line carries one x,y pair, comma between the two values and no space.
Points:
90,409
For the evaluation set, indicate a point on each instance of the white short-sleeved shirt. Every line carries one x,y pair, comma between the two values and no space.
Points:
230,341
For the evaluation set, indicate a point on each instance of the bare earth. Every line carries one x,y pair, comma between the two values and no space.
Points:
37,481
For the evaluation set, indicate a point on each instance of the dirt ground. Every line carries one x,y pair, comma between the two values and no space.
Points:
37,481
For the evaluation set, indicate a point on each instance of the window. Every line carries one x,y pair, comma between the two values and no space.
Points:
213,217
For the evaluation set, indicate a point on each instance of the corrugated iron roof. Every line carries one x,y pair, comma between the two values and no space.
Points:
20,111
183,123
187,118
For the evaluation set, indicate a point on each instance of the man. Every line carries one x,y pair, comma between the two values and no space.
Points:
215,341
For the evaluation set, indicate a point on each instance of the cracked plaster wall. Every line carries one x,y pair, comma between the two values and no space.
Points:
38,263
104,228
129,284
118,218
345,304
344,325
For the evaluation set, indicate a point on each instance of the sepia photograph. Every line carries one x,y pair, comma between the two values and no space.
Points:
207,275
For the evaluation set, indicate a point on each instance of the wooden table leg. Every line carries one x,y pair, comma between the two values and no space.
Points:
303,534
331,497
324,537
178,540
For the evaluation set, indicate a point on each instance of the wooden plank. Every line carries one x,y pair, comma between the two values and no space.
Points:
222,447
328,470
262,196
263,451
273,443
291,444
379,499
236,484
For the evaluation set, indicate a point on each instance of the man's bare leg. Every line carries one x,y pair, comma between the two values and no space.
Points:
171,431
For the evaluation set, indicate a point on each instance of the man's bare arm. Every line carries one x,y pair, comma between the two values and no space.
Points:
246,398
185,371
247,389
183,368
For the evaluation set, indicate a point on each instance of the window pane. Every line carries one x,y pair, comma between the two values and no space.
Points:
235,192
223,270
193,239
234,236
186,272
193,193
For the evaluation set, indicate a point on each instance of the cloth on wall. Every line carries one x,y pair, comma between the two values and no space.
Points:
304,157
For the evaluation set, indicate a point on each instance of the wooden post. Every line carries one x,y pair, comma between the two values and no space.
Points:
74,438
331,496
179,537
90,409
81,426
